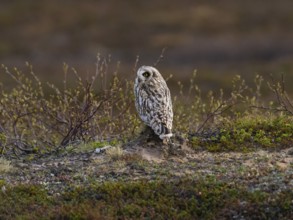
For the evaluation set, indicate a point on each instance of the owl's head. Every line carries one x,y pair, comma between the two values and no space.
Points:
146,73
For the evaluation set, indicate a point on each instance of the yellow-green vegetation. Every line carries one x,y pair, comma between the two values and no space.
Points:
247,134
5,165
178,199
40,118
114,152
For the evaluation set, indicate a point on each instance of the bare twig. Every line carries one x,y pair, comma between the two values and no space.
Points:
161,57
218,111
283,100
135,64
82,117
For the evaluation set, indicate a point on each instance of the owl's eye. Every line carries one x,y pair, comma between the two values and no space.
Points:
146,74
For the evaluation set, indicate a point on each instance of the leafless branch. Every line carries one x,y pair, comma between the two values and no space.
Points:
223,107
161,57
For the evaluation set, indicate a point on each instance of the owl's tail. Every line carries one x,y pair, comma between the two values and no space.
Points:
166,136
166,133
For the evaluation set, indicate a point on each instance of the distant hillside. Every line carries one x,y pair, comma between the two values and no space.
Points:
220,39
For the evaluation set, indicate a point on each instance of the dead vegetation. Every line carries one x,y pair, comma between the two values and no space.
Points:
5,165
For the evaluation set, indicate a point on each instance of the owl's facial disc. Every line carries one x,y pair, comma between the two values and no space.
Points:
145,73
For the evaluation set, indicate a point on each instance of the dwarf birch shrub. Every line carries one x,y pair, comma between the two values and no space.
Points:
34,122
38,117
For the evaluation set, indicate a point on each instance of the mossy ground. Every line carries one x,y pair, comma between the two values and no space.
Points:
197,185
176,199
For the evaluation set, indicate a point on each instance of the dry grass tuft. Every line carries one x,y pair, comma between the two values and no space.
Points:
115,153
5,165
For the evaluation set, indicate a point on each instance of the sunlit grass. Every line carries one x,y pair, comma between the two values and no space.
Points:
5,165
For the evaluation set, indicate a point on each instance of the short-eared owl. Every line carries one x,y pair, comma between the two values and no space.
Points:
153,101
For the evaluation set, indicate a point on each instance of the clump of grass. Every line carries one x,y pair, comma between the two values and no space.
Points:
115,152
90,146
5,165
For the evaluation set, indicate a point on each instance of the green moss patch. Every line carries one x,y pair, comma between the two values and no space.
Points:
247,134
177,199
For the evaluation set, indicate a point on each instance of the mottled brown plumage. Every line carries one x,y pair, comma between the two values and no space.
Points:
153,101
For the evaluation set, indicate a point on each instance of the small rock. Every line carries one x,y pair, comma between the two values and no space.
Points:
98,150
101,150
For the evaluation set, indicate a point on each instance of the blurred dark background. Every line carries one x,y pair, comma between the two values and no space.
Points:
218,38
